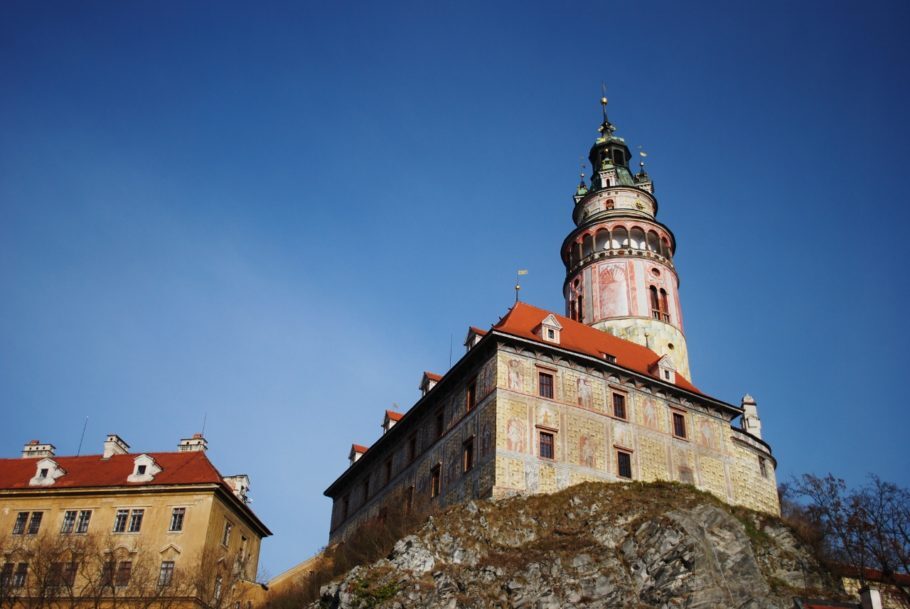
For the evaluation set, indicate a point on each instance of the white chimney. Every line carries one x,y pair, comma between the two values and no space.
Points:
196,443
870,598
240,484
356,452
751,424
36,450
114,445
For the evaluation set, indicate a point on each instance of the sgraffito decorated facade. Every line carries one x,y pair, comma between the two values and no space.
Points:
542,401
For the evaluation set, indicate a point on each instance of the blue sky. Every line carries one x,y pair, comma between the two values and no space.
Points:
274,217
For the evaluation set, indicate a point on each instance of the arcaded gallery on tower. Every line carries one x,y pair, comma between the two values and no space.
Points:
542,401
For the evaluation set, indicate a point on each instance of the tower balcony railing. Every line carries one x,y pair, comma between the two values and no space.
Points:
615,252
660,315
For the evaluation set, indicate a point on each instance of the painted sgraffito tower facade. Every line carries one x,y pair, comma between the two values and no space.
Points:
620,276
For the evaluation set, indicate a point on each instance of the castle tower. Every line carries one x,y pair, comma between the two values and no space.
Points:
620,276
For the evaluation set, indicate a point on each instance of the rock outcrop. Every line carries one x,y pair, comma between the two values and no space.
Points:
594,545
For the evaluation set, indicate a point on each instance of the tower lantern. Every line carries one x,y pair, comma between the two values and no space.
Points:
620,276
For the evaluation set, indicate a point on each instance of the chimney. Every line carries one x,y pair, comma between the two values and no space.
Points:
196,443
870,598
751,424
240,484
114,445
35,450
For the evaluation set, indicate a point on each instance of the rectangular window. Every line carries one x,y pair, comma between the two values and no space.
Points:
763,467
34,523
124,573
177,516
120,520
85,517
6,576
624,464
244,542
107,574
388,471
136,520
21,575
69,522
409,500
467,455
68,574
545,384
470,397
679,425
226,533
55,575
440,423
412,448
19,525
366,490
345,502
546,445
435,481
619,405
166,574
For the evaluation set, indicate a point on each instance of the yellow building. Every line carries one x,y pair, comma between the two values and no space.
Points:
98,530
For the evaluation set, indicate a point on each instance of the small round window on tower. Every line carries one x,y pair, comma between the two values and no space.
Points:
655,272
670,346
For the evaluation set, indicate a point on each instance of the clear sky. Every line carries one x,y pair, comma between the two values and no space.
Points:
275,216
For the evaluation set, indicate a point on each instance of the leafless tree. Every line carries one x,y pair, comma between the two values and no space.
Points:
865,528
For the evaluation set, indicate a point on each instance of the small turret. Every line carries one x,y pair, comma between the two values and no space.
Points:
751,424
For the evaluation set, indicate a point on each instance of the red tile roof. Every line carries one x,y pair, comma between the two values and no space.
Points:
477,331
433,376
393,416
359,448
523,321
191,467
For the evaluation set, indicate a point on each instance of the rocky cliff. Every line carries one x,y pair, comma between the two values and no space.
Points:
594,545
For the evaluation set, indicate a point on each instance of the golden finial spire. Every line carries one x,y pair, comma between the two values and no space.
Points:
603,99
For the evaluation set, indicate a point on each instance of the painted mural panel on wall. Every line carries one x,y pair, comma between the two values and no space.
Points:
516,374
614,290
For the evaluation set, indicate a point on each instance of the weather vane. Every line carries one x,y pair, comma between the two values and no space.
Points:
643,155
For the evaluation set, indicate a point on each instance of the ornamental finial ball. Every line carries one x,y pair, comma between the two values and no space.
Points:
603,100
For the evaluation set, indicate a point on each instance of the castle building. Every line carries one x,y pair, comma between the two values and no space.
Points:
122,525
542,401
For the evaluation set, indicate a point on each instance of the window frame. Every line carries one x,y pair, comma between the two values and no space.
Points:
121,518
123,574
135,522
677,416
226,533
550,385
470,395
21,522
619,465
34,523
68,525
624,397
467,455
551,434
436,481
166,574
178,517
83,521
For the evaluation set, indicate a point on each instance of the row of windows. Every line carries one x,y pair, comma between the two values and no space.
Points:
411,450
63,574
77,521
618,238
545,390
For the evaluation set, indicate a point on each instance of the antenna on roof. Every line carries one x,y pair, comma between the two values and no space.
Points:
205,416
518,282
450,349
82,437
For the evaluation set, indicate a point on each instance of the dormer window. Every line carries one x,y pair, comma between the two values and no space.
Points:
144,469
46,473
666,371
550,329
